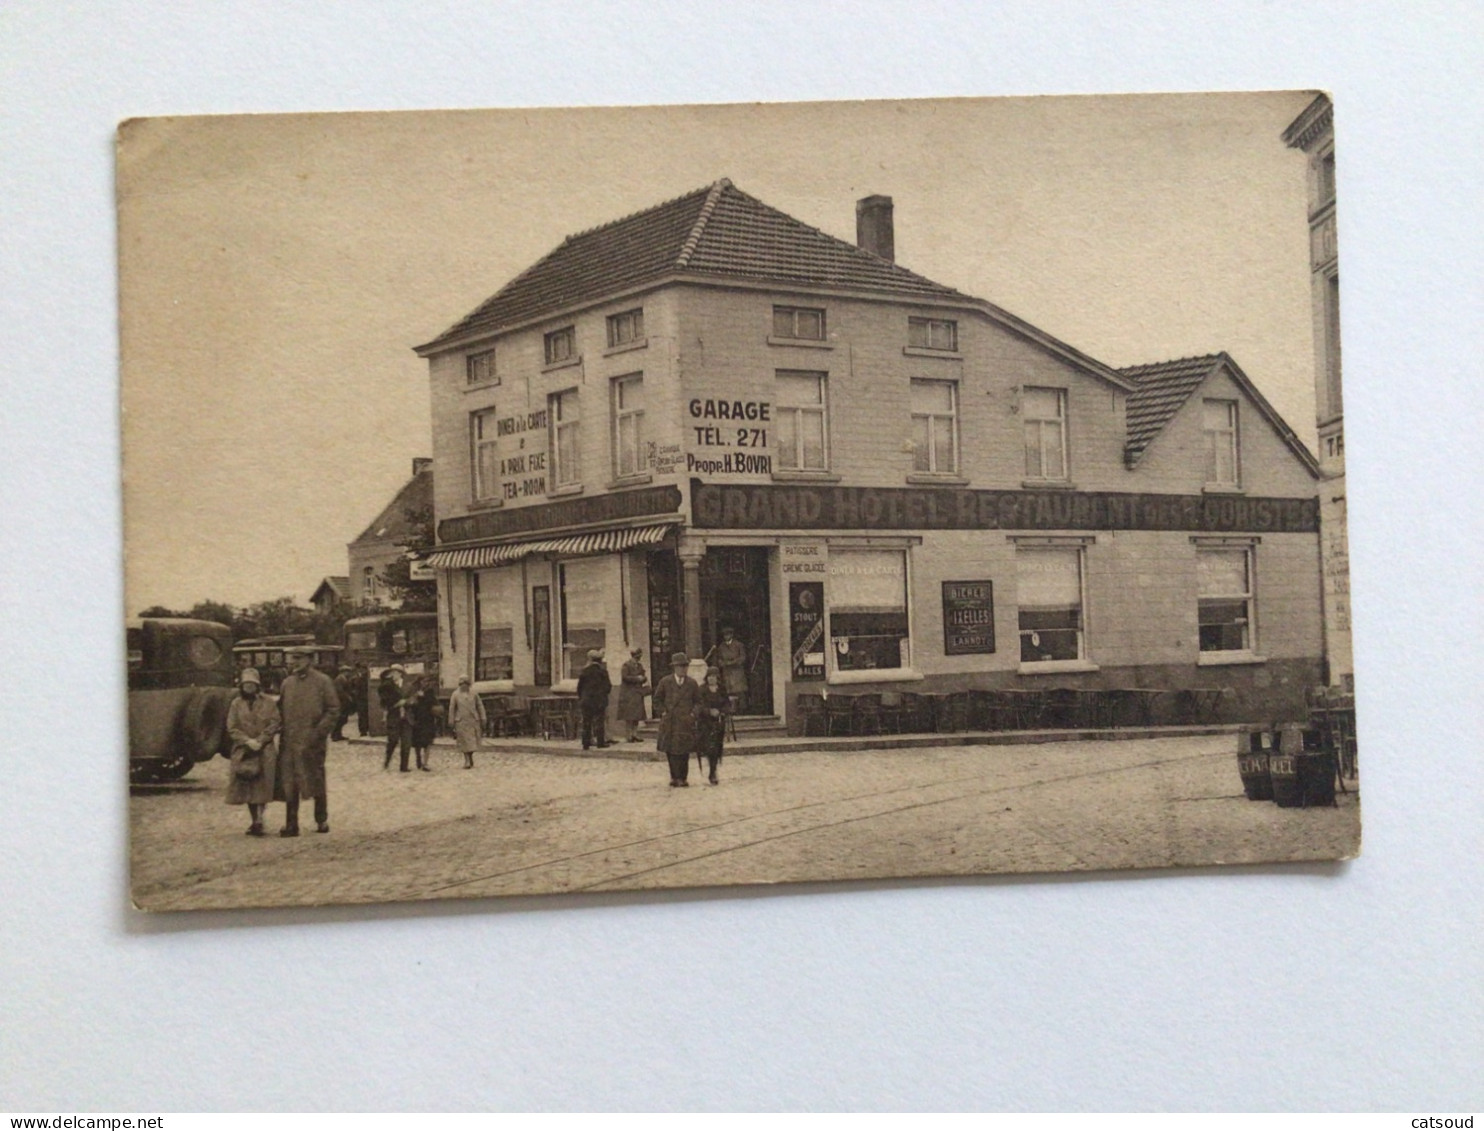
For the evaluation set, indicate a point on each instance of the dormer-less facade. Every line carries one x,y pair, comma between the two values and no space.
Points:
711,415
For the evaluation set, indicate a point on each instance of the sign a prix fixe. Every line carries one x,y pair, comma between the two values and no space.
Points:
819,507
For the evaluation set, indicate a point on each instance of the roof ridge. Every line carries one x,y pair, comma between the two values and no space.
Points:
1211,357
688,248
637,212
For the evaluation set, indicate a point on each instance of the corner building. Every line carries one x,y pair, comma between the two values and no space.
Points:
709,414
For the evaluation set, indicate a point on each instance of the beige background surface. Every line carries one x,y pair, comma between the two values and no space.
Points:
276,270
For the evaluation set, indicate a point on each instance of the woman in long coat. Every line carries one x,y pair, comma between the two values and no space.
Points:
252,725
712,709
631,687
675,700
421,713
466,716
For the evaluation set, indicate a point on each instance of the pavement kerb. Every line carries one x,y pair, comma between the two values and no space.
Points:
645,751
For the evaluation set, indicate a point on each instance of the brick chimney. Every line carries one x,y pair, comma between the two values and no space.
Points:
873,227
421,464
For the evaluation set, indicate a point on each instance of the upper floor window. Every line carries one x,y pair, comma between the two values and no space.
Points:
479,368
1326,178
1224,609
801,411
802,322
934,426
368,585
486,457
626,329
1219,425
628,426
566,468
561,345
932,334
1045,414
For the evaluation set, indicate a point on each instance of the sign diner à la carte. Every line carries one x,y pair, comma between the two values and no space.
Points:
828,507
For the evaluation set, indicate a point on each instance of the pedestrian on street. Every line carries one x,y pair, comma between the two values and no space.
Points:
711,721
422,715
253,723
310,707
394,706
593,688
467,718
363,699
633,686
676,699
345,689
730,655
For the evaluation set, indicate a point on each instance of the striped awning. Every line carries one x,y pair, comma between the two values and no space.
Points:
603,542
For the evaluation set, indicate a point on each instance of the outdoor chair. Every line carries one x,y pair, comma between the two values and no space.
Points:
865,716
811,708
839,714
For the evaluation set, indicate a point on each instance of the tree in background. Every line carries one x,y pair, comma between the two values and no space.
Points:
415,596
278,617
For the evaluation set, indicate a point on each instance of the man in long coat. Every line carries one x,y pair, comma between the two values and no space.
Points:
593,688
676,699
309,706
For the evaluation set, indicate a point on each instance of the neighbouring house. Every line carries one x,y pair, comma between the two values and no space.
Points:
385,540
710,415
331,592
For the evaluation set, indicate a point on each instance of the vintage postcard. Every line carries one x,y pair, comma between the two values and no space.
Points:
542,501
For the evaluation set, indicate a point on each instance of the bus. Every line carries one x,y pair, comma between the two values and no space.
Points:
383,639
269,655
181,679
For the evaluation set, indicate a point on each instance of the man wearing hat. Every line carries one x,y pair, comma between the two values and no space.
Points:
593,688
309,706
394,707
633,686
252,725
676,699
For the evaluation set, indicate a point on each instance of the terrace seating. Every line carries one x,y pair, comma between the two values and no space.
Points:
865,715
839,715
811,708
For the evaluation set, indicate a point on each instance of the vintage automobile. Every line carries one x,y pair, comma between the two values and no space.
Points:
181,679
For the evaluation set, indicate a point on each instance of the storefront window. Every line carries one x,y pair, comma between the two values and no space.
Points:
1049,592
496,599
1225,604
867,600
581,594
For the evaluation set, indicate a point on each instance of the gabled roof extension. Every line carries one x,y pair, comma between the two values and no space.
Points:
339,588
716,231
1162,388
391,524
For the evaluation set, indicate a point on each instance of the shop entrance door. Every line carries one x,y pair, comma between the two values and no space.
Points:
734,593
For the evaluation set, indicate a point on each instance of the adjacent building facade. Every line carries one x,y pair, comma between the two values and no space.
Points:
385,540
711,415
1313,131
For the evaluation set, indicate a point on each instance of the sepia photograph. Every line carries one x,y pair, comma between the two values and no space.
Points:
530,502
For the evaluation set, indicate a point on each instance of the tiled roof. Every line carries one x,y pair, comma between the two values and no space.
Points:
718,231
1160,390
339,588
391,524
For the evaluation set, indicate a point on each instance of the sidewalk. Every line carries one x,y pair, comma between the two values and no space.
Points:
781,744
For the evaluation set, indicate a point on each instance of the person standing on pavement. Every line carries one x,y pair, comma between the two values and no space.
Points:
422,716
363,699
633,683
676,698
309,706
593,688
252,725
730,655
713,707
466,718
394,707
345,689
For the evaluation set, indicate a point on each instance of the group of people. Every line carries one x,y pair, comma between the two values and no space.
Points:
412,711
278,748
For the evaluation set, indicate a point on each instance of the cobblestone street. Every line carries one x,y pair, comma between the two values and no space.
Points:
523,822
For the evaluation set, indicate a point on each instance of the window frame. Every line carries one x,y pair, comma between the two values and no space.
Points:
932,418
549,341
834,674
1233,431
634,319
556,445
926,325
793,312
506,681
472,362
821,409
1249,648
1083,660
1063,408
478,444
619,415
